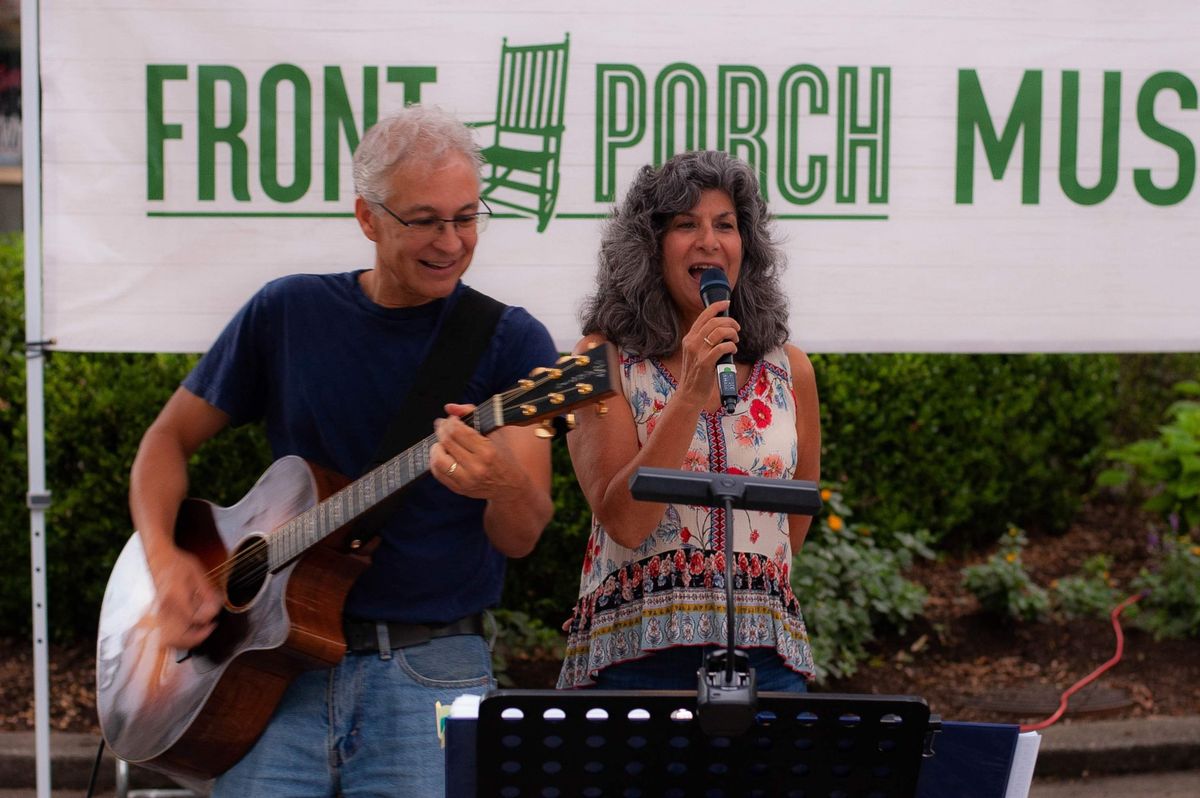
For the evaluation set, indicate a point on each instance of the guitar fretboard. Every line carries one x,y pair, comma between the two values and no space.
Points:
360,497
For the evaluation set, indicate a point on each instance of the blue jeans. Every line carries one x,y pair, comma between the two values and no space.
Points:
675,669
364,728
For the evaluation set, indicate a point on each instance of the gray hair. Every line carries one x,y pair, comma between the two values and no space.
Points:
425,132
631,306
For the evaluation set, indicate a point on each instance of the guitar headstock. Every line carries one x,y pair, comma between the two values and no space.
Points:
551,391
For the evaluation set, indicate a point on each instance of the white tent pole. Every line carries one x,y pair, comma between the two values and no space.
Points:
38,498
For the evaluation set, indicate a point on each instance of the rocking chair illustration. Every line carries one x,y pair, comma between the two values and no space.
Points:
521,169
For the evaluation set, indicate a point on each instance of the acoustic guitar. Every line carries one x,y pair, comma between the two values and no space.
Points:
284,557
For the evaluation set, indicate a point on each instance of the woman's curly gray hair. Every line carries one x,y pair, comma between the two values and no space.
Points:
631,306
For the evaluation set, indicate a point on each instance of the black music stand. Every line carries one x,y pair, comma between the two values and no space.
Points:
725,739
644,744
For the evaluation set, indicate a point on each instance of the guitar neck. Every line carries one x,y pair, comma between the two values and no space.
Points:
367,493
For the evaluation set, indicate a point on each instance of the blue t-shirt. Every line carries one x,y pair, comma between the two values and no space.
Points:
327,370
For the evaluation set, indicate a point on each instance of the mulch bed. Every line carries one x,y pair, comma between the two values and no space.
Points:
968,666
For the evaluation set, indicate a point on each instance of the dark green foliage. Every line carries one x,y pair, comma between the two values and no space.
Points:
964,444
97,407
1166,468
849,587
1091,593
1171,586
14,517
521,639
546,583
1146,387
1003,586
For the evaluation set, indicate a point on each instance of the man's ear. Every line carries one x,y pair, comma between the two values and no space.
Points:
366,218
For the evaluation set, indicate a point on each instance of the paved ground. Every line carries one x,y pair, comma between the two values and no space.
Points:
1172,784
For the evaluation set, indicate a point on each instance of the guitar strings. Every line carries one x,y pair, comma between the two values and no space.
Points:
249,576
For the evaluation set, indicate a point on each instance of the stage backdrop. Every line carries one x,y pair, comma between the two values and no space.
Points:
945,176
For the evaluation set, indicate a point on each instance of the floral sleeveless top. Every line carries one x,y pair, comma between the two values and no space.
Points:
670,591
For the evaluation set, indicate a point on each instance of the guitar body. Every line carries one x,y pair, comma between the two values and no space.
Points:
194,714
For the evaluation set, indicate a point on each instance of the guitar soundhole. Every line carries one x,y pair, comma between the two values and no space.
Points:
248,571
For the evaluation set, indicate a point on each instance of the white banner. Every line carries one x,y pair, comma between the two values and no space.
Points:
946,176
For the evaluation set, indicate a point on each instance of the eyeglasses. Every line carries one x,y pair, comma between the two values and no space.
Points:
433,227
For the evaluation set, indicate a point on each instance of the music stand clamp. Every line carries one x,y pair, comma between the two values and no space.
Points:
726,692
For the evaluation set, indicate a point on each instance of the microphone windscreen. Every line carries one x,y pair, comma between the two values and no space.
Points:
714,286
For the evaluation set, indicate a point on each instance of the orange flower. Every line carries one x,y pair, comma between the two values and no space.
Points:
826,495
835,523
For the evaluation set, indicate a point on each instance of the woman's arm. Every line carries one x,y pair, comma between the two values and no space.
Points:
605,450
808,435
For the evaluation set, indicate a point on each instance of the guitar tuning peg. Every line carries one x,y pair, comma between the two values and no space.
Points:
525,384
601,409
545,430
585,388
569,421
564,360
553,374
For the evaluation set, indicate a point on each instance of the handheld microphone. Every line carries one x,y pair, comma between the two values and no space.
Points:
714,287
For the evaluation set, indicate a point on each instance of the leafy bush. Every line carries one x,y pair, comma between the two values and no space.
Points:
1166,467
520,637
14,483
963,444
1146,385
849,587
545,584
1090,593
1171,606
1002,584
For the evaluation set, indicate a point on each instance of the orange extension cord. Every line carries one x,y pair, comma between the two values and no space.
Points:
1062,704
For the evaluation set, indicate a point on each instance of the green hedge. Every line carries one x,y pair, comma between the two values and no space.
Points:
960,445
963,445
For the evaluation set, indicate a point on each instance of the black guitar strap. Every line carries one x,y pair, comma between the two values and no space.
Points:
444,373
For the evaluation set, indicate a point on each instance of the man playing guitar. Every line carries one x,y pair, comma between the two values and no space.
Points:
326,361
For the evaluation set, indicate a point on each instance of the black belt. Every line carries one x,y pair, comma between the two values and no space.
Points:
364,636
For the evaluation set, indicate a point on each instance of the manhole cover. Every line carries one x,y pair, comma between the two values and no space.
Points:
1043,699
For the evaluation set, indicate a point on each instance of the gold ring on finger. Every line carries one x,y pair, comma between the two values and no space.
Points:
453,467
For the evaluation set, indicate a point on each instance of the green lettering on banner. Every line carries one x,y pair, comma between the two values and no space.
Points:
1169,137
157,129
871,136
619,87
1110,127
1026,118
742,92
812,81
410,79
675,79
210,134
268,130
339,115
